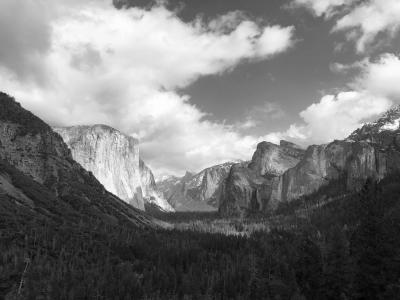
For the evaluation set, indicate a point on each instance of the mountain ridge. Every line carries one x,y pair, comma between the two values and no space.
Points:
250,184
372,151
35,161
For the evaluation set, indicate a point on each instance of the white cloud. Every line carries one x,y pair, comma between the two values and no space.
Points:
362,21
369,19
375,86
273,39
374,90
382,76
123,68
336,116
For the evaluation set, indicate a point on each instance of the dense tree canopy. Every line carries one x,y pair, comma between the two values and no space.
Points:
348,249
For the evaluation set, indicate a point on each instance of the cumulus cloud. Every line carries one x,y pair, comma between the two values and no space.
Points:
89,63
381,76
369,19
336,116
333,117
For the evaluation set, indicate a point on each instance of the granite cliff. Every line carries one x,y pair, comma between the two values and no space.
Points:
249,185
372,151
39,175
114,160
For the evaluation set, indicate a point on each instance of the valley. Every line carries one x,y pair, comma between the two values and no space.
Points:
76,239
199,150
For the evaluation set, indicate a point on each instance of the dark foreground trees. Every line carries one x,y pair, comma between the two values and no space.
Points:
350,253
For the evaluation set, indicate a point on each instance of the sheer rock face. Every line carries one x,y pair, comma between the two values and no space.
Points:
323,163
372,151
249,186
114,160
272,160
33,148
196,192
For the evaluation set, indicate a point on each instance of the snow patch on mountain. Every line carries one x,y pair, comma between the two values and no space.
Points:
393,125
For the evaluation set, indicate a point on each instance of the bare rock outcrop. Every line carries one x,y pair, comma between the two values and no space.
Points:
276,176
324,163
114,160
249,186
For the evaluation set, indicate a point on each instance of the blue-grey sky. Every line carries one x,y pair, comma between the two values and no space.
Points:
202,82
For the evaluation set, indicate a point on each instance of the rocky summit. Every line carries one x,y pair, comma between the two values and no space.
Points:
114,159
40,177
195,192
372,151
249,185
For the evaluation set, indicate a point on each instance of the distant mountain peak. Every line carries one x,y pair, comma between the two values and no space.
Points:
196,191
388,121
189,174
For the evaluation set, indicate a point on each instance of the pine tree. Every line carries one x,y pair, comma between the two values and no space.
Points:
309,269
338,267
368,245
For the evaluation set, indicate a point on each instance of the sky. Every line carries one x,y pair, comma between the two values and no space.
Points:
202,82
